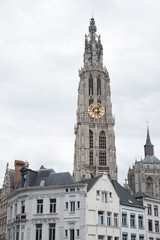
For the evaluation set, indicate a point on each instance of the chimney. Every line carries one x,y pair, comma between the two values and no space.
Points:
17,174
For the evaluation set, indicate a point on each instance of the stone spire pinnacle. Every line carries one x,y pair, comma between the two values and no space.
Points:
148,147
93,54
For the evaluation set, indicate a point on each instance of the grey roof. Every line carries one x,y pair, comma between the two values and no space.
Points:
125,197
150,159
148,140
63,178
11,176
90,182
44,177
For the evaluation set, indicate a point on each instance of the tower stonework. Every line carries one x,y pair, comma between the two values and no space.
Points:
95,150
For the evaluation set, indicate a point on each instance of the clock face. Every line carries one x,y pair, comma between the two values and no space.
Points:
96,110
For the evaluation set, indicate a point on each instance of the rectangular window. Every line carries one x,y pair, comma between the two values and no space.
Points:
100,237
52,231
77,232
140,221
53,205
91,158
149,209
72,204
66,205
156,226
40,206
109,238
133,236
155,210
17,232
72,235
115,219
124,219
116,238
22,206
100,217
141,237
132,220
150,238
124,236
104,197
109,218
15,209
22,235
66,233
78,204
38,231
149,225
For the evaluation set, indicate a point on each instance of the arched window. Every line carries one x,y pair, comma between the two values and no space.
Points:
149,186
98,86
91,147
98,100
102,140
90,101
91,85
90,139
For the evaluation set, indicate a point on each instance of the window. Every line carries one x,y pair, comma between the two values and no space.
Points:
15,209
109,218
150,238
141,237
66,205
155,210
91,147
102,140
40,206
22,206
72,234
72,189
116,238
100,237
109,238
22,235
149,209
149,225
100,217
38,231
72,204
116,219
52,231
90,139
91,158
78,204
52,205
17,232
98,193
104,197
133,236
90,101
98,86
77,232
90,85
124,236
156,226
102,158
140,221
124,219
132,220
42,182
66,233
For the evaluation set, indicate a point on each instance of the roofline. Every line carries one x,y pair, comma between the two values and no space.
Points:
132,205
25,189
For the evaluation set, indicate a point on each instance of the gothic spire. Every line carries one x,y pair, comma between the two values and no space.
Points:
93,55
148,147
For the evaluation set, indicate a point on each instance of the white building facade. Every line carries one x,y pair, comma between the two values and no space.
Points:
47,213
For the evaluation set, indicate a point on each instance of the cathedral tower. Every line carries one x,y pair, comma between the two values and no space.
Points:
95,150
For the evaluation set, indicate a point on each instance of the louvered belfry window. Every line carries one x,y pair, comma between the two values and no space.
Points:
102,149
91,147
91,85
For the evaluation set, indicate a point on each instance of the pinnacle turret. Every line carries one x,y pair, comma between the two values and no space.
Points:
93,55
148,147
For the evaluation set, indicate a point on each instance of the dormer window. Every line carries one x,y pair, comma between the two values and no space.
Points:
42,182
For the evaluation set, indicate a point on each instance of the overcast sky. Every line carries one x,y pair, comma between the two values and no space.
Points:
41,50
